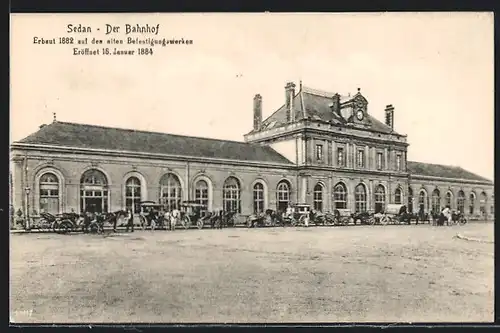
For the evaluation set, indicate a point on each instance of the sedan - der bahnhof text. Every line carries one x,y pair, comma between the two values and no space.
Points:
319,148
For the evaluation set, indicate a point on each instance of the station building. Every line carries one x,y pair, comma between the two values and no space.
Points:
319,148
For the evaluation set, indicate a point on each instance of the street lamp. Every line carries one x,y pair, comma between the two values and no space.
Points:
27,190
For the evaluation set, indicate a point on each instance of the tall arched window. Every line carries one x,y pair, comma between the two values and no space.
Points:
258,198
49,193
340,196
436,201
397,196
410,199
422,200
379,199
283,196
360,198
448,199
94,192
461,202
482,204
133,194
231,195
201,195
472,203
170,191
318,197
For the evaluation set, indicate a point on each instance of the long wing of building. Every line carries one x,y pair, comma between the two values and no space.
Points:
319,148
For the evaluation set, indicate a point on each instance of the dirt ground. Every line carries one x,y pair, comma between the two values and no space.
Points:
417,273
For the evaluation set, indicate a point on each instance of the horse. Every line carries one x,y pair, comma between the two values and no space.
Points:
113,218
363,217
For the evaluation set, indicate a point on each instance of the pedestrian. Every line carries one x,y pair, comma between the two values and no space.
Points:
175,217
130,220
447,214
153,220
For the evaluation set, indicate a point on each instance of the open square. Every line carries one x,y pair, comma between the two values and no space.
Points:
416,273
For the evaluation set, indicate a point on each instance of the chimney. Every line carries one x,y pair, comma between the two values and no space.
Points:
389,116
336,103
257,112
289,94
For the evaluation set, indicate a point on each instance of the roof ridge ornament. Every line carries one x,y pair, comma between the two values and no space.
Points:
54,115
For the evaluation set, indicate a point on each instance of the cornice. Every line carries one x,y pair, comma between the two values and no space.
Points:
141,155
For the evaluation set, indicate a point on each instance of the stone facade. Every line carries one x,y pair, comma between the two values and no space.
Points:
340,158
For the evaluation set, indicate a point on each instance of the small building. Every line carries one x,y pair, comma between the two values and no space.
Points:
318,147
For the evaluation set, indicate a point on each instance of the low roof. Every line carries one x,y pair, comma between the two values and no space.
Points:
118,139
444,171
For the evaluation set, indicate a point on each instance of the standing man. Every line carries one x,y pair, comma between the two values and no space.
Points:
447,214
130,220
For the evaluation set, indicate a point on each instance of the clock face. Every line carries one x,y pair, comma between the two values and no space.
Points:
359,103
360,115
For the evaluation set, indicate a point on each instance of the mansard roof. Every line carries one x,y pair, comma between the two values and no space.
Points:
442,171
315,104
74,135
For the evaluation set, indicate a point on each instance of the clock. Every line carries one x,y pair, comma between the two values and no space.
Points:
359,103
360,115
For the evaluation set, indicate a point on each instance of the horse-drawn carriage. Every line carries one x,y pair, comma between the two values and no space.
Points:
393,214
152,215
343,216
191,214
263,219
298,214
61,223
456,218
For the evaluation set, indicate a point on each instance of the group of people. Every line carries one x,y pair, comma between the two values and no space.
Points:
170,217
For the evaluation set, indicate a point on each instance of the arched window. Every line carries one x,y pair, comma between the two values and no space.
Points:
461,202
94,192
49,193
231,195
282,196
170,191
472,203
360,198
397,197
436,201
258,198
318,197
410,200
448,199
201,195
379,199
482,204
340,196
133,194
422,200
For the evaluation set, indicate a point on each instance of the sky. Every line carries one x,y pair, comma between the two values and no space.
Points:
436,69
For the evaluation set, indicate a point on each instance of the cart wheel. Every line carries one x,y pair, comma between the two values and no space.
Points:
199,224
186,222
370,220
384,220
66,226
